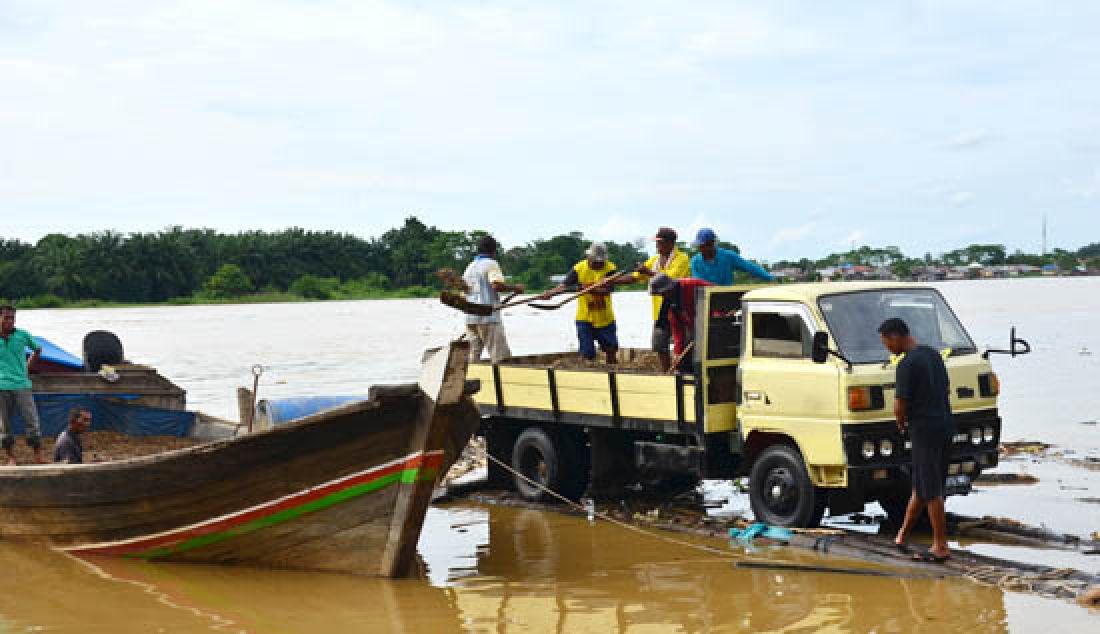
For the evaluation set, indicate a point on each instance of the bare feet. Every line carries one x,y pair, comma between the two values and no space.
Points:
38,457
11,462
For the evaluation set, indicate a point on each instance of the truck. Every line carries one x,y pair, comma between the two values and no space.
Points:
789,386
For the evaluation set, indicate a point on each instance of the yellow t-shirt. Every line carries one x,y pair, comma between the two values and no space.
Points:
678,266
595,309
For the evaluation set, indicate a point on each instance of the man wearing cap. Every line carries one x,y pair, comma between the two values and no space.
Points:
679,306
595,317
675,264
716,265
486,281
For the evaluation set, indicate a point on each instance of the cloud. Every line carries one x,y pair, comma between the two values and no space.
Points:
968,139
795,233
1087,188
961,198
855,238
345,115
619,228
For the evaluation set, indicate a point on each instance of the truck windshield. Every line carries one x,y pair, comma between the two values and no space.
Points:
854,319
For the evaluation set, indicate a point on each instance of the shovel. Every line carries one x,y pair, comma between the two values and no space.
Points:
595,287
459,302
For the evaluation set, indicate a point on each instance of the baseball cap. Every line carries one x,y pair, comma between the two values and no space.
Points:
597,251
667,234
704,236
660,284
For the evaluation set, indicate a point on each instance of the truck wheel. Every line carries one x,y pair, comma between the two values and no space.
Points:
539,458
781,491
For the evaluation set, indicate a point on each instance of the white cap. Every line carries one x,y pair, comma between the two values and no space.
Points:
597,252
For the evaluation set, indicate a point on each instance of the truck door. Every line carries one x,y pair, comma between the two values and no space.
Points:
782,389
717,354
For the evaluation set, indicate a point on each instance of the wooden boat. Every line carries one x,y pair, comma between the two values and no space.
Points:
341,490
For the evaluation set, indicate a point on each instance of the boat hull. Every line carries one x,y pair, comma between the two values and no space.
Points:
342,490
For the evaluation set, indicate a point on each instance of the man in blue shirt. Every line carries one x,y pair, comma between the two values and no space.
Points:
716,265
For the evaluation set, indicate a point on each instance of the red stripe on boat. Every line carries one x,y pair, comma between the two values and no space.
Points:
433,459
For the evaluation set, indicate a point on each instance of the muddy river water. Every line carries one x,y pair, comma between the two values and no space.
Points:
507,570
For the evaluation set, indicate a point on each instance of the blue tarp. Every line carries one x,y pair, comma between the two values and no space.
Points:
282,410
108,414
55,354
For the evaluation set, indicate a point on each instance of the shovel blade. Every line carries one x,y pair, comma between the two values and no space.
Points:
458,302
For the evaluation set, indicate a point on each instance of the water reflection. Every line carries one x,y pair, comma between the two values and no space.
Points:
544,572
500,570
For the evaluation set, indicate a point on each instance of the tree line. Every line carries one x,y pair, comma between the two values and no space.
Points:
984,254
185,265
182,265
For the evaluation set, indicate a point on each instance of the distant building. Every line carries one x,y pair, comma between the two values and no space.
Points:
789,274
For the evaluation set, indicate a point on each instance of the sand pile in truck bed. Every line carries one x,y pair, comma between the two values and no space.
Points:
630,360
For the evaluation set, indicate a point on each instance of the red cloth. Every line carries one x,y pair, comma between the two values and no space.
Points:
681,313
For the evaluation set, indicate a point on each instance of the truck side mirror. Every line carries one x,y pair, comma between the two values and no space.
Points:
1016,346
821,347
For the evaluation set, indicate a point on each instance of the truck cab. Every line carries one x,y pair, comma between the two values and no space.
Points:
816,395
789,385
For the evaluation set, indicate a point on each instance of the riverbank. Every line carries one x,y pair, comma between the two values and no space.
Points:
342,294
275,297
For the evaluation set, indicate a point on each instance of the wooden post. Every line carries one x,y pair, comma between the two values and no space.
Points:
244,406
442,381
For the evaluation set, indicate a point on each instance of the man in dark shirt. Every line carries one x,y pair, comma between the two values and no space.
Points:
923,407
679,309
68,448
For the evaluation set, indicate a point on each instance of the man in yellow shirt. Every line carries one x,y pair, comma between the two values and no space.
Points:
595,316
676,264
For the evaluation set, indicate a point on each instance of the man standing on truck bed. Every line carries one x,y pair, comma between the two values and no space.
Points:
679,308
675,264
15,385
716,265
595,317
923,406
486,281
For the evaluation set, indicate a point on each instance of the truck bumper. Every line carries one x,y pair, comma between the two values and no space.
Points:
869,477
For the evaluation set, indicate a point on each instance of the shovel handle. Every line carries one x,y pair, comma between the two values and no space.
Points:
598,285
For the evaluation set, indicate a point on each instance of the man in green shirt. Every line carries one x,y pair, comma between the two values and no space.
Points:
15,385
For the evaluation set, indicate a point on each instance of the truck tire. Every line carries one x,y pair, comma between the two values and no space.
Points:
540,458
101,348
781,492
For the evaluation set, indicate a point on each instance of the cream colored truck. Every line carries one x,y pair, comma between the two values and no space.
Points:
791,387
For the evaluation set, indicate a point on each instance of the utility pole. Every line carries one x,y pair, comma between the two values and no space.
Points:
1044,235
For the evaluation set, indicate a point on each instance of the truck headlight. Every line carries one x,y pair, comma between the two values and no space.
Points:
868,450
886,448
989,434
976,436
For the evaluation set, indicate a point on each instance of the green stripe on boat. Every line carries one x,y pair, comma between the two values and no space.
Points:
406,476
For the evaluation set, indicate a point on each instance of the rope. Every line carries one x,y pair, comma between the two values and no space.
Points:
740,562
607,518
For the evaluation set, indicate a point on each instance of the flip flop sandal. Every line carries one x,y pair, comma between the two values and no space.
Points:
930,558
903,548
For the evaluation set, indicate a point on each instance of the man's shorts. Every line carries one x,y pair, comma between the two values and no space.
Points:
588,335
662,338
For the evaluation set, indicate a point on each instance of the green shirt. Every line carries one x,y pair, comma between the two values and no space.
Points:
13,360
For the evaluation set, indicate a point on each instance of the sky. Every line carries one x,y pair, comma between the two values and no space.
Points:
792,128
